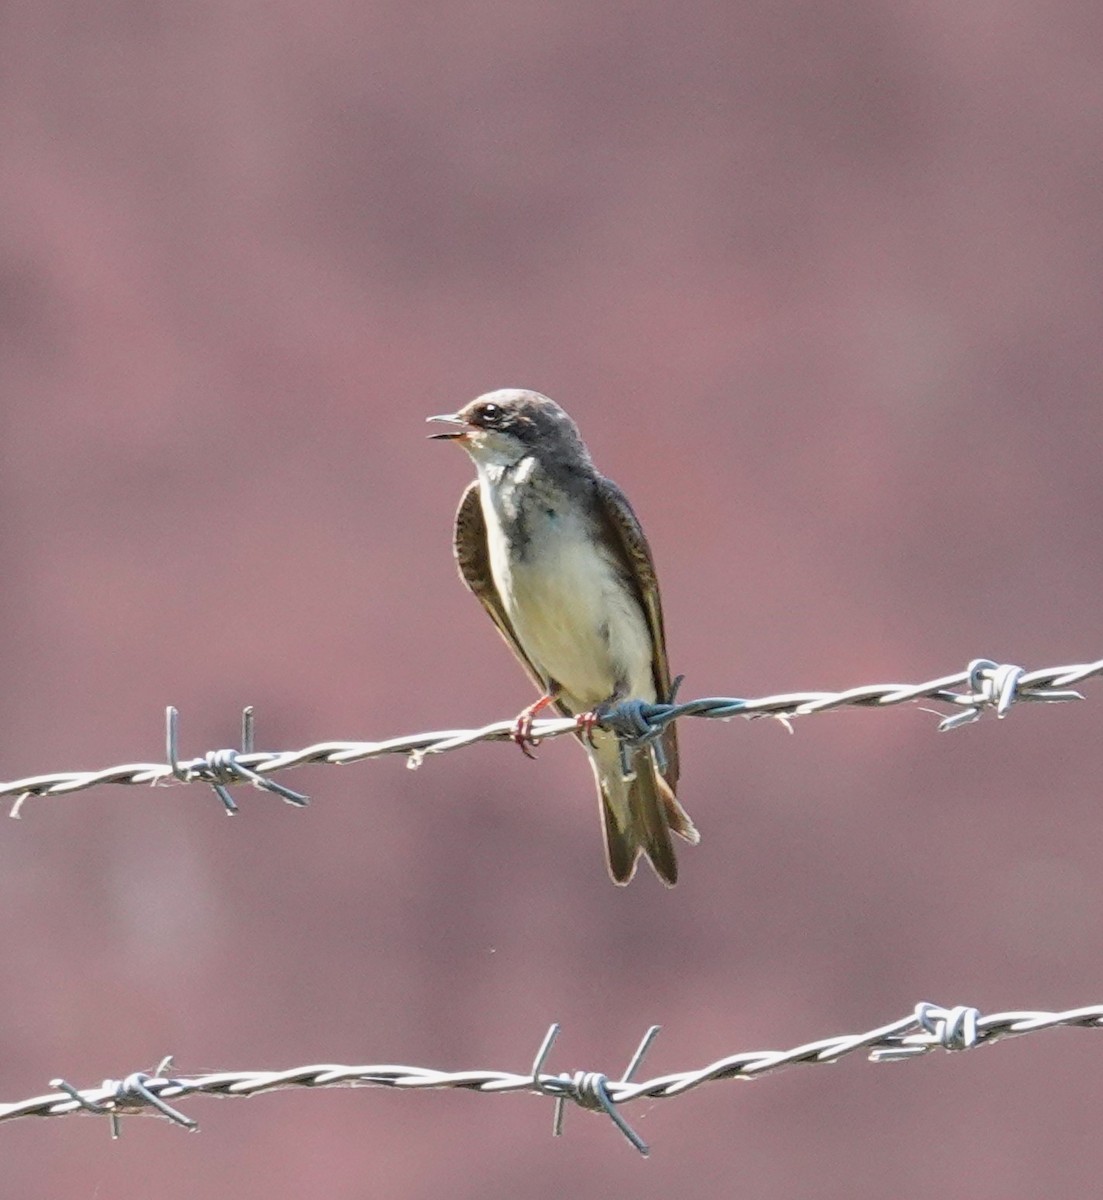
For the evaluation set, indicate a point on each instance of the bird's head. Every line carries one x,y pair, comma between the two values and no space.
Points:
503,427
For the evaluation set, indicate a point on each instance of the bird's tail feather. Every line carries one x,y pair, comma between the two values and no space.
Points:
640,812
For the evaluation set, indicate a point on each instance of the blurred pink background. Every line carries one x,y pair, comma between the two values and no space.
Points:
821,284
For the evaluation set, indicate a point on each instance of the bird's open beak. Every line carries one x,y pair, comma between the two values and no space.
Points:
452,434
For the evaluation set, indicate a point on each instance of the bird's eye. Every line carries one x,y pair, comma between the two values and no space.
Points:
488,414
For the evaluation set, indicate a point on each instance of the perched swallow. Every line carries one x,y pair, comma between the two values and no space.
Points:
557,558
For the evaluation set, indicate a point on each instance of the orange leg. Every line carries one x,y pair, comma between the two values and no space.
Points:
522,727
587,722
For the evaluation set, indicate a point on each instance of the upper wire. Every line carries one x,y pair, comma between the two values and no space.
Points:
984,686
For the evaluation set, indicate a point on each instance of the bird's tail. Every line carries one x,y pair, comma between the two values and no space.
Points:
640,811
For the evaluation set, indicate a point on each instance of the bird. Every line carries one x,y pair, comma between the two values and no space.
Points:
557,557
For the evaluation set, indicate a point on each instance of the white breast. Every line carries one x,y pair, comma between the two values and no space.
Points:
574,617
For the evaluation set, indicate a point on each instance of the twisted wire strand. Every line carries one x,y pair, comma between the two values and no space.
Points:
928,1027
984,686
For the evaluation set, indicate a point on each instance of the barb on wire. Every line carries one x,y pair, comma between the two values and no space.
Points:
222,767
130,1096
984,686
588,1089
928,1027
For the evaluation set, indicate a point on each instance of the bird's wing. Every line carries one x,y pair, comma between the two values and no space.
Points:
473,557
626,529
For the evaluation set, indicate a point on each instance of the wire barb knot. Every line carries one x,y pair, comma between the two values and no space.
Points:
134,1094
953,1028
933,1028
636,720
588,1089
640,721
992,685
221,768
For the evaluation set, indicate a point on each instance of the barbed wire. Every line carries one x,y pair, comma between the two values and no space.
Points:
929,1027
984,686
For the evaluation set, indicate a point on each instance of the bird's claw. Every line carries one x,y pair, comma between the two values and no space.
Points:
522,727
587,722
522,733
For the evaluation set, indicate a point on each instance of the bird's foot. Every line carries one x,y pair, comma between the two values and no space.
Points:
588,721
522,727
